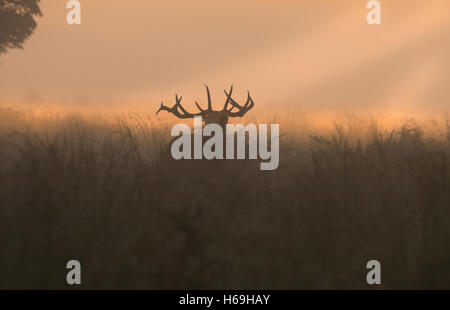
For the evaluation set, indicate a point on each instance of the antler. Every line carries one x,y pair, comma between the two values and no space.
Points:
181,112
178,109
241,109
209,102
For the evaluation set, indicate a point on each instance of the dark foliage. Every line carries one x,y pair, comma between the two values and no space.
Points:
111,199
17,22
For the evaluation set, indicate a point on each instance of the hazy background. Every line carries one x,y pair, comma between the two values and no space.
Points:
102,188
317,53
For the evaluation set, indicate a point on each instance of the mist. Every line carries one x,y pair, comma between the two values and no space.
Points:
319,55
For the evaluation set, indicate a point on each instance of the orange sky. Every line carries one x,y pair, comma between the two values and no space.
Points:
317,53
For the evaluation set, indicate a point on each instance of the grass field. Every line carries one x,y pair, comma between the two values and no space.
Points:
102,190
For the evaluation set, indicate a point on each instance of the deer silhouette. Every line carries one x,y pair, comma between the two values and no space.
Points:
220,117
209,116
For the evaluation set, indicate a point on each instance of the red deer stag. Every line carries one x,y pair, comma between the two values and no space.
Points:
208,115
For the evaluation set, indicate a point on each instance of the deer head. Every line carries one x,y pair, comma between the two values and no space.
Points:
230,109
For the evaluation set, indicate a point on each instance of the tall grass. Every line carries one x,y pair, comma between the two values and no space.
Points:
105,193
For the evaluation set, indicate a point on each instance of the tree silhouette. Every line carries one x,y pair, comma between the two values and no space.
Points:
17,22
